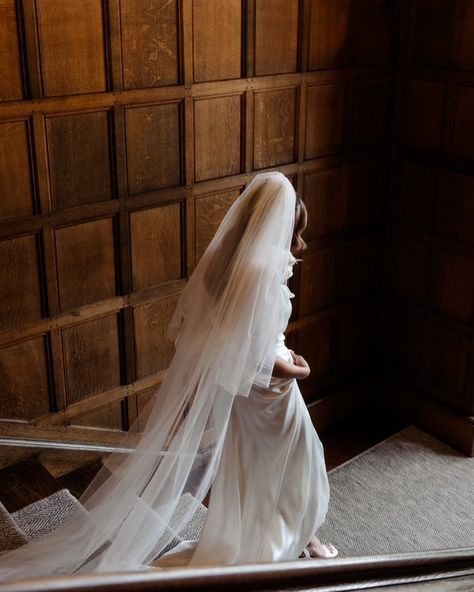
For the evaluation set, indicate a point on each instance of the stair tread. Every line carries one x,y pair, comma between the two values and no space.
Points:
24,483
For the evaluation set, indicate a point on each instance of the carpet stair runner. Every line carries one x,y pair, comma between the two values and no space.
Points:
43,516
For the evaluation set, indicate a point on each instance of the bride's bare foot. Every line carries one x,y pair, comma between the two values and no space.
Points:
315,548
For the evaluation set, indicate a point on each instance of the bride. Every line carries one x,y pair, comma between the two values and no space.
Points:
229,413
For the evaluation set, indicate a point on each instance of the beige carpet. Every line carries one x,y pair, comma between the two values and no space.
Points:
409,492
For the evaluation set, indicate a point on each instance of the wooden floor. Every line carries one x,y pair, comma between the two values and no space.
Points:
32,478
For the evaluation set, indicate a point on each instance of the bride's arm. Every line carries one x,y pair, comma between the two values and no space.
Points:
283,369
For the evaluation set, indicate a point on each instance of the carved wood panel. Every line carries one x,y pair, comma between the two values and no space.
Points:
156,114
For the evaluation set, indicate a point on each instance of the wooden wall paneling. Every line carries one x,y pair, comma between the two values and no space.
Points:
157,256
324,119
302,110
375,24
326,202
418,195
366,189
218,123
357,338
17,190
20,293
150,43
275,118
454,288
319,280
153,141
329,26
11,70
92,364
24,379
320,359
371,113
32,66
210,210
276,52
358,274
40,164
217,39
409,263
86,262
455,211
422,114
303,35
461,144
463,54
80,159
404,340
66,31
448,365
153,349
249,38
114,28
431,33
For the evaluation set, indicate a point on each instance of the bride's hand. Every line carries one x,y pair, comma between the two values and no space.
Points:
301,363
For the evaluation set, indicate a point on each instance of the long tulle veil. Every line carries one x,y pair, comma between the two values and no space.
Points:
224,326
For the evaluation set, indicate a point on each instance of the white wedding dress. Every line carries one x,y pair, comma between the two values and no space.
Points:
271,491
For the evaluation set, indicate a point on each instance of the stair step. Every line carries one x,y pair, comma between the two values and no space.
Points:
11,535
43,516
78,480
25,482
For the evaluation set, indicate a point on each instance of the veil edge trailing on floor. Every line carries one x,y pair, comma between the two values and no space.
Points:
224,326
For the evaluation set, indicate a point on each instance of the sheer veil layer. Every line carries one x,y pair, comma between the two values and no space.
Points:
225,325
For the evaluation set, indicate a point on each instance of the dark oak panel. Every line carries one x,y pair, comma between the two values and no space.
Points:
85,260
329,26
92,363
324,119
319,280
371,113
24,380
274,127
20,287
464,42
276,53
153,349
456,207
375,31
463,127
217,137
149,36
156,245
455,287
408,269
448,364
431,33
353,338
79,158
16,190
217,39
318,358
358,273
153,146
326,202
417,202
11,82
209,213
404,340
68,30
422,114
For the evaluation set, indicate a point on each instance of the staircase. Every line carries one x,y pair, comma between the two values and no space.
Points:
40,488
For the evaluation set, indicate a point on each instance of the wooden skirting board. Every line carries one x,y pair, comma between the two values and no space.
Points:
449,426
